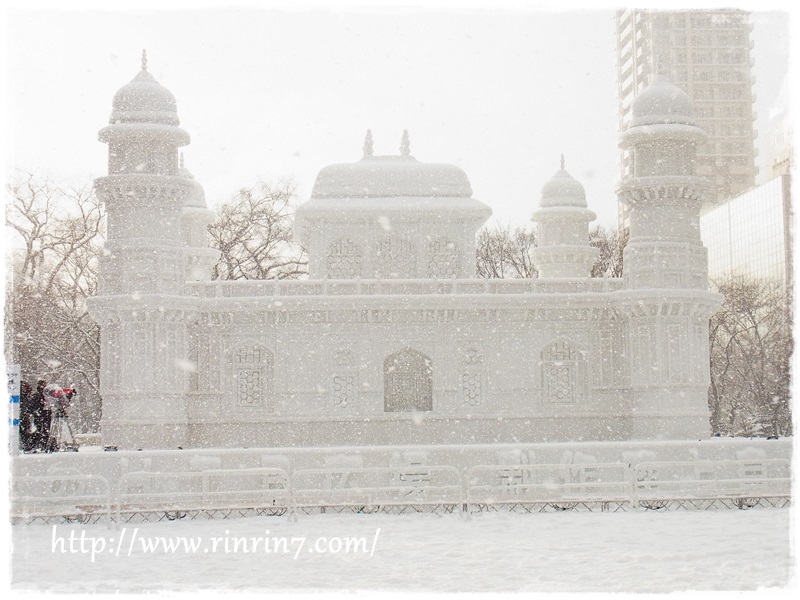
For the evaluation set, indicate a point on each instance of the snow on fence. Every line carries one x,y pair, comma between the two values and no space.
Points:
273,491
147,491
687,480
71,495
551,484
368,489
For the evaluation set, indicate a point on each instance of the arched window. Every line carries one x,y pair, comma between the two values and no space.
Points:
563,373
407,382
344,259
252,366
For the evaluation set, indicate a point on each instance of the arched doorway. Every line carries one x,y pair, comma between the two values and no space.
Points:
407,382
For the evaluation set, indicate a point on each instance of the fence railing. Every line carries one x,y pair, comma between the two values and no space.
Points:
512,484
147,491
366,488
70,495
681,480
274,491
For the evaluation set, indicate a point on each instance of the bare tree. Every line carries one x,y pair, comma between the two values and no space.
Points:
253,232
611,242
56,235
751,346
503,252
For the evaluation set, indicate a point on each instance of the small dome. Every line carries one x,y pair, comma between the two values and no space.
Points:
197,199
144,100
563,190
662,102
391,176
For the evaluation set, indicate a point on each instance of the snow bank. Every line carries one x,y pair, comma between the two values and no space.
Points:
556,552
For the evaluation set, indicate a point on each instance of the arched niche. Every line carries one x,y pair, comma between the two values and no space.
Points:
407,382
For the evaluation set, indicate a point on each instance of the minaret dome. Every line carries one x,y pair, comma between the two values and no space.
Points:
662,102
144,100
563,190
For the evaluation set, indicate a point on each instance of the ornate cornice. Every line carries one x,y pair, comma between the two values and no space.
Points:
663,190
143,190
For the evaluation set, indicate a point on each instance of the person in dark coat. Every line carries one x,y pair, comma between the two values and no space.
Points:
27,428
41,417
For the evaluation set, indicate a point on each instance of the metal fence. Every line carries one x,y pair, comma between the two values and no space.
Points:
209,494
712,484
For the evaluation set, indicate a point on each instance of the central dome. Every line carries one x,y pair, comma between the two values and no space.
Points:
391,177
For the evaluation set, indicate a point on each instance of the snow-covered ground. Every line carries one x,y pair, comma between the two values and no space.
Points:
555,552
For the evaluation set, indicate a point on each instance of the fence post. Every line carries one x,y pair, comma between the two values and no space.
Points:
118,511
290,487
464,492
634,499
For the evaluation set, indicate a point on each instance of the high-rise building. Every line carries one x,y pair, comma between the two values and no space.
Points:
750,235
707,54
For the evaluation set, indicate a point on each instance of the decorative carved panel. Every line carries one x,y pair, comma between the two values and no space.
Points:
444,259
252,375
344,259
250,387
395,258
563,373
344,390
472,389
471,356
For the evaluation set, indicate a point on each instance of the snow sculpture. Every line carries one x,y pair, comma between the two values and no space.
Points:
371,219
563,373
563,219
667,304
154,213
408,382
393,340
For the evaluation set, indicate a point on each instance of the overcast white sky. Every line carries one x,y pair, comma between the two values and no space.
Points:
277,94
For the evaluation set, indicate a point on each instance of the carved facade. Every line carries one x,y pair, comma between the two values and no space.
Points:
393,339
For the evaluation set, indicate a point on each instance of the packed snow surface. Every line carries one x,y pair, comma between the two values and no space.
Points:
553,552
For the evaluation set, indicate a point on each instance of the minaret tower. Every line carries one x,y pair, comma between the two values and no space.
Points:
563,218
666,300
142,316
143,192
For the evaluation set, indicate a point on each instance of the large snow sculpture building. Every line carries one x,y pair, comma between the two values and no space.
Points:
393,339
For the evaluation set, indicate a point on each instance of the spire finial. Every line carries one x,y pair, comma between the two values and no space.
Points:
368,143
182,160
405,144
562,161
144,60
